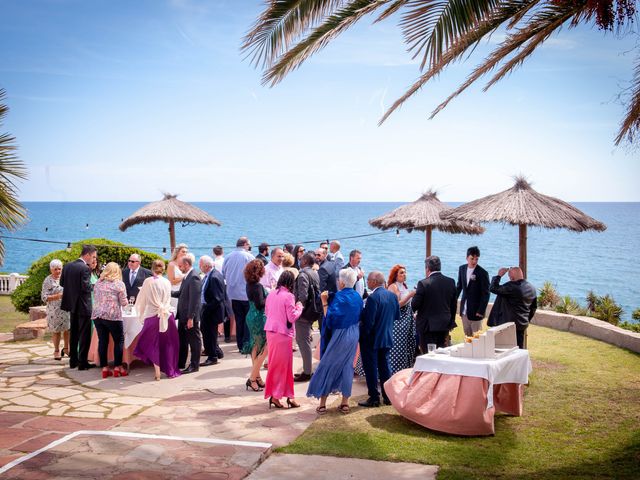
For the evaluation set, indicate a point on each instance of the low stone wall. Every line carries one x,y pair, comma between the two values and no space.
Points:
30,330
36,313
589,327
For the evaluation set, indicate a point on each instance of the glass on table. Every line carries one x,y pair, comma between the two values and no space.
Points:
431,348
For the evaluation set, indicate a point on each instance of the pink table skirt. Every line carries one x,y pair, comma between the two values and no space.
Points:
452,403
127,353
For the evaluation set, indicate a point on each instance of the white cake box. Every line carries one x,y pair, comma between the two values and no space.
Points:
494,343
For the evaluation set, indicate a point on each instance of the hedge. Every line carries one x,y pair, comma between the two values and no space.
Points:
28,294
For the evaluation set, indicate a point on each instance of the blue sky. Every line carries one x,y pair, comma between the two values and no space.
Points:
120,100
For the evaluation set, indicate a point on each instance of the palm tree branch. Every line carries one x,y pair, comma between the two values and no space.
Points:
433,26
462,45
630,127
390,10
282,22
319,37
555,14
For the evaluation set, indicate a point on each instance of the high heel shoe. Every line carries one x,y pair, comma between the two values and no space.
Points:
275,403
63,352
260,382
116,372
292,403
250,383
56,355
107,373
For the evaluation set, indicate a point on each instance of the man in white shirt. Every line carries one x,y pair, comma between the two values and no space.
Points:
134,275
218,257
473,282
355,257
273,269
336,254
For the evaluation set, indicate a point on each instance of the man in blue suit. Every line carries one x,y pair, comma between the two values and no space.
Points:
376,337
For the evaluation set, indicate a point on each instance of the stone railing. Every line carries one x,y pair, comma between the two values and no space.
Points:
8,283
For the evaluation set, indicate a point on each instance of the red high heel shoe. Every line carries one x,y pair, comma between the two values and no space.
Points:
116,372
107,373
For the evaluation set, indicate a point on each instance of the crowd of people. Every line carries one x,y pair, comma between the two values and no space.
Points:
374,330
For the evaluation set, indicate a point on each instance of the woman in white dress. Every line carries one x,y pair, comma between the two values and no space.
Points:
173,272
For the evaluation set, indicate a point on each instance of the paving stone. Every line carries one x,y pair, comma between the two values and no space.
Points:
75,398
30,401
146,402
83,403
75,413
67,425
98,395
58,411
56,381
58,393
14,436
4,459
36,442
7,394
146,453
124,411
92,408
22,408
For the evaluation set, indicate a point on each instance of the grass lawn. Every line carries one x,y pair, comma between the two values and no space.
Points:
9,318
581,420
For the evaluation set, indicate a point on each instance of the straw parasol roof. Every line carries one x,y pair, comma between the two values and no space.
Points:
424,215
169,210
521,205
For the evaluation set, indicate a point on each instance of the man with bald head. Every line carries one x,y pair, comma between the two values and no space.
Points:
376,337
516,302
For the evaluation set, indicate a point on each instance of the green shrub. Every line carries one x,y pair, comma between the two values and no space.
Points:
636,314
548,297
604,308
634,327
570,306
28,294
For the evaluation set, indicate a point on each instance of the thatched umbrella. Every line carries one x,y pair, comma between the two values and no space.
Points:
521,205
424,215
169,210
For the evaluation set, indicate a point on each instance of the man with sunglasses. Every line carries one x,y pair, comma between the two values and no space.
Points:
133,275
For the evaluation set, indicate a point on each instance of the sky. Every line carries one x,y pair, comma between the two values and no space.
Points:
123,100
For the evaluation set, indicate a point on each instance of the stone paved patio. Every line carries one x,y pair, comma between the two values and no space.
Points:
42,401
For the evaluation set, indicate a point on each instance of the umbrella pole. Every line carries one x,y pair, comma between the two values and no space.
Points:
172,236
523,249
428,234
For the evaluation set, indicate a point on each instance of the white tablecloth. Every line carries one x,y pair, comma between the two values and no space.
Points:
512,368
131,326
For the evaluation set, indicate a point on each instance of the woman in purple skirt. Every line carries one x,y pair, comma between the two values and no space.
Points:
158,341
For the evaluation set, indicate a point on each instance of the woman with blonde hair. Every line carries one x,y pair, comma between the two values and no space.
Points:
158,341
110,295
288,263
173,271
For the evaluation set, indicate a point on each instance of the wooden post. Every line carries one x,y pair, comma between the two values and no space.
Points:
428,233
523,249
172,236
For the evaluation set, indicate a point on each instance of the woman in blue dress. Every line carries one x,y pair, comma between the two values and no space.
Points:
338,343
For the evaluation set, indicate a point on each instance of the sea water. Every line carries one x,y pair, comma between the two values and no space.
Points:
574,262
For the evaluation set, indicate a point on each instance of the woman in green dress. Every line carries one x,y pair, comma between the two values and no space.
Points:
257,344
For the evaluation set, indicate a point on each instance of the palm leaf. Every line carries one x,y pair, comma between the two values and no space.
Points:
465,43
630,127
12,213
538,29
433,26
281,24
319,37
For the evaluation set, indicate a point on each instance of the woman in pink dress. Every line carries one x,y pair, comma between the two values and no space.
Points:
282,311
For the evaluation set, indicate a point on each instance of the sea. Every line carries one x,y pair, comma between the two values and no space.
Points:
575,263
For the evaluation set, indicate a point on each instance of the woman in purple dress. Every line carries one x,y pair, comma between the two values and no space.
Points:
158,341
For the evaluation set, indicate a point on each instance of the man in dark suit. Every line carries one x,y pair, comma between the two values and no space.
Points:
212,313
133,276
263,253
188,314
376,337
76,299
307,292
473,282
517,302
435,302
327,272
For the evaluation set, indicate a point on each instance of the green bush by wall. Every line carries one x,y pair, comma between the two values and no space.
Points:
28,294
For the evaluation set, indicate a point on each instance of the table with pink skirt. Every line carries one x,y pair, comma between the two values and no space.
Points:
460,395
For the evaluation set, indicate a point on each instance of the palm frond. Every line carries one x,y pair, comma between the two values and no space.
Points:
553,17
433,26
319,37
630,127
463,44
281,24
391,9
12,213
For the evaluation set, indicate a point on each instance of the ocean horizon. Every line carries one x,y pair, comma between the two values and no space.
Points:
574,262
